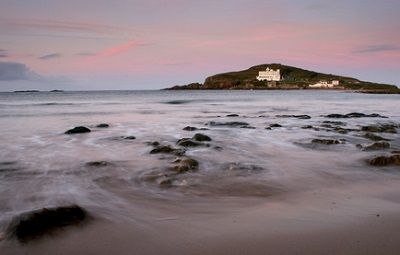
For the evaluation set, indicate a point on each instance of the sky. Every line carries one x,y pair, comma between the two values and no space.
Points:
149,44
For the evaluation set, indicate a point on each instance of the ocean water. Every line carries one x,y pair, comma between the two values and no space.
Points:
118,178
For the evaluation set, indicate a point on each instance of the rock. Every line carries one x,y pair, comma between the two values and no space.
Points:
385,160
308,127
377,146
131,137
381,128
294,116
374,137
188,128
354,115
103,125
168,150
326,141
98,163
337,123
35,224
201,137
154,144
248,127
188,142
229,124
186,164
232,115
78,130
275,125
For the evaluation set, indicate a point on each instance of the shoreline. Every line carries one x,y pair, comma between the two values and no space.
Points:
352,219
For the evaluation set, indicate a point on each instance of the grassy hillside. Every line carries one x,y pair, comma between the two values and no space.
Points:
293,78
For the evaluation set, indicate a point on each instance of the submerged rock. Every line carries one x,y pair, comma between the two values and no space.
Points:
304,117
228,124
186,164
381,128
35,224
354,115
374,137
78,130
385,160
275,125
98,164
232,115
326,141
377,146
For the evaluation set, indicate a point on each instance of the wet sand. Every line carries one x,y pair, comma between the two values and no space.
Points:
359,219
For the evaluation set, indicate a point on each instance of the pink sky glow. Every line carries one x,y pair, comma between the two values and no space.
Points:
157,44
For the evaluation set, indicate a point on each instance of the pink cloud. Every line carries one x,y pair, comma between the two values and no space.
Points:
118,49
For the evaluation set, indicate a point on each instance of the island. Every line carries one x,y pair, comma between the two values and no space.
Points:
277,76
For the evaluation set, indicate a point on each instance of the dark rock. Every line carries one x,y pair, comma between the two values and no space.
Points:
326,141
381,128
154,144
98,163
228,124
232,115
354,115
131,137
188,128
248,127
201,137
374,137
168,150
385,160
377,146
36,224
307,127
275,125
294,116
103,125
337,123
78,130
186,164
188,142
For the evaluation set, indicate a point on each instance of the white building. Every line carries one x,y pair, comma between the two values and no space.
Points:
269,75
325,84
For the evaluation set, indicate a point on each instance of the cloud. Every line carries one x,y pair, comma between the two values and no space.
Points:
12,71
118,49
85,54
378,48
50,56
3,56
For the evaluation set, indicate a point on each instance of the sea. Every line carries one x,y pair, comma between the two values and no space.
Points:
261,148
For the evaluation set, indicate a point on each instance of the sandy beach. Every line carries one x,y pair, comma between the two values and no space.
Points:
357,219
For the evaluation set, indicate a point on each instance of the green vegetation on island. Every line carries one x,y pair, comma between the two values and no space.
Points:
290,78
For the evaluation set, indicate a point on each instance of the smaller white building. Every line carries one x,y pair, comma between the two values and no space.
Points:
325,84
269,75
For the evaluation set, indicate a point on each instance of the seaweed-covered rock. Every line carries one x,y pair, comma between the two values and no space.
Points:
78,130
201,137
385,160
35,224
232,115
275,125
